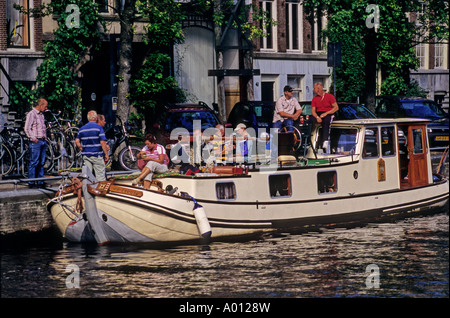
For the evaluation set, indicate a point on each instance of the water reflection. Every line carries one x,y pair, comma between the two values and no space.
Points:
412,256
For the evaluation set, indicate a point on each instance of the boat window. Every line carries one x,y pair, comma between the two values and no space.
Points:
225,191
387,141
327,182
417,141
280,185
370,149
343,140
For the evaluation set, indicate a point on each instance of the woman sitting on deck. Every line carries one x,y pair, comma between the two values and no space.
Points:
156,158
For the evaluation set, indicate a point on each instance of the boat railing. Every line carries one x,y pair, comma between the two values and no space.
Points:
18,181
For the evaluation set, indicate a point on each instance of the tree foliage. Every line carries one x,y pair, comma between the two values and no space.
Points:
78,33
152,84
394,41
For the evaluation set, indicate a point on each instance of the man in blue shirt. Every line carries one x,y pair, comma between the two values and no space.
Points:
91,141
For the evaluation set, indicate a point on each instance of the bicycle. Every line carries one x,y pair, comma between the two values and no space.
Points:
116,136
62,142
11,139
6,159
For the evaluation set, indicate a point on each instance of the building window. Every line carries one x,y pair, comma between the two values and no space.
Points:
317,30
225,191
268,41
280,185
370,149
327,182
294,25
296,82
102,5
421,53
439,55
18,24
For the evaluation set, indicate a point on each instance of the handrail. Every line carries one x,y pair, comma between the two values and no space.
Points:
25,180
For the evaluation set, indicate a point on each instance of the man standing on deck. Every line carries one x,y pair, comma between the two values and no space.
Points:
323,107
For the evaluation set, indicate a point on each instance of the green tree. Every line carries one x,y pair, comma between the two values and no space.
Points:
390,45
151,85
77,35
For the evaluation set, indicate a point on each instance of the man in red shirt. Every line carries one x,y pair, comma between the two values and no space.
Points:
323,107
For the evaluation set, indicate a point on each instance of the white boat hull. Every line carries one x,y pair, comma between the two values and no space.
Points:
160,217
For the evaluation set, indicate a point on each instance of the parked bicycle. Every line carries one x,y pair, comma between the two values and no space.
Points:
15,145
117,136
61,138
6,159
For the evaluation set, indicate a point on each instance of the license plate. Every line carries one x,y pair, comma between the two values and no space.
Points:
441,138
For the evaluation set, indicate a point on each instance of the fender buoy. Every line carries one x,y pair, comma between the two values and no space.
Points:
203,226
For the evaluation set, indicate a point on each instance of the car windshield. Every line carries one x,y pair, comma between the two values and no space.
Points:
354,112
263,115
186,119
422,109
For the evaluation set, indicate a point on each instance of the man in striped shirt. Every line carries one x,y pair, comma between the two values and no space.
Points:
36,132
91,141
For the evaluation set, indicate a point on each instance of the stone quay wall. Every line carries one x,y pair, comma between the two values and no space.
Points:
25,210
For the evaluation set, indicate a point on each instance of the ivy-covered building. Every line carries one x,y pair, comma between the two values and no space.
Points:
212,69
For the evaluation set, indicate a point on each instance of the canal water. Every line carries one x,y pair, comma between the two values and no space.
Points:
406,258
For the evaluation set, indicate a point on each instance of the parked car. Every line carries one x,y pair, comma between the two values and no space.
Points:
416,107
183,116
346,111
254,114
257,114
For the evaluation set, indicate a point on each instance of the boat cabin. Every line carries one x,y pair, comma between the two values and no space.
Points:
364,156
390,150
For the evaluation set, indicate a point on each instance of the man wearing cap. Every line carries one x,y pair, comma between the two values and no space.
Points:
287,110
323,107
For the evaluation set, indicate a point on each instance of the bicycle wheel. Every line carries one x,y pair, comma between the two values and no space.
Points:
6,160
49,159
71,133
68,155
129,160
56,140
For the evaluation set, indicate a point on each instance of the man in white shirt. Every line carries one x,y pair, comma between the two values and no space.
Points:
287,110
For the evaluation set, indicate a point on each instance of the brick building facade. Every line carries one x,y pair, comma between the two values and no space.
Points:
21,45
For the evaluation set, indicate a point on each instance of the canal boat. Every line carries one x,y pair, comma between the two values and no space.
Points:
372,170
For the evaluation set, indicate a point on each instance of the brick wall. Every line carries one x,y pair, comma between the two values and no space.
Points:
3,43
281,27
38,44
22,212
307,34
